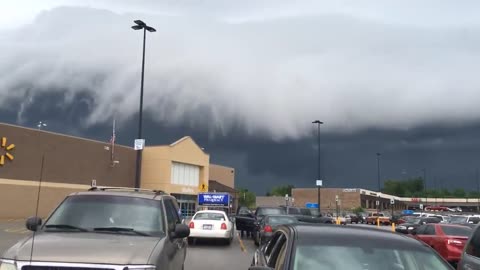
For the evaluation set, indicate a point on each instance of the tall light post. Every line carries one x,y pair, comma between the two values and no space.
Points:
379,187
478,189
319,179
425,187
138,26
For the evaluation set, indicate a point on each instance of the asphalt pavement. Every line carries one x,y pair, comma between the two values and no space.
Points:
205,254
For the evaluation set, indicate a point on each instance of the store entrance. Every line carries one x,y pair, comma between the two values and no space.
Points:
187,204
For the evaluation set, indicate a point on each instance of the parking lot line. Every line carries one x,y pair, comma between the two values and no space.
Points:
242,246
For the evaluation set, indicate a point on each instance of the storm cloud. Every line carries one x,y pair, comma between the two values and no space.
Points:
269,66
247,78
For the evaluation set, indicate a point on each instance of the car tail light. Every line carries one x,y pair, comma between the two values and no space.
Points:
268,228
454,242
191,225
223,226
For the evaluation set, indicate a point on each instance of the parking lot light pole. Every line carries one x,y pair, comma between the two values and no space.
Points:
319,179
138,26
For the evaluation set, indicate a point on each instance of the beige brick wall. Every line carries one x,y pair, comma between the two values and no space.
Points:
348,199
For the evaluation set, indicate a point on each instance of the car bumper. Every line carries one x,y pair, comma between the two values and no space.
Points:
210,234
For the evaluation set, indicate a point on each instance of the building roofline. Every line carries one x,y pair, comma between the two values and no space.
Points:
63,135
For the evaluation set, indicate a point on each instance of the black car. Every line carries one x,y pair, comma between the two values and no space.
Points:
268,226
246,221
307,215
471,254
324,246
414,223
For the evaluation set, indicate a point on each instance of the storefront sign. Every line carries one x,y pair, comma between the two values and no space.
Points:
7,148
214,199
349,190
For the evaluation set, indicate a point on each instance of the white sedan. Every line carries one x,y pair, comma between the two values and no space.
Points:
211,224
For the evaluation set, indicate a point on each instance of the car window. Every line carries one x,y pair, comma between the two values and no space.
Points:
280,261
271,244
99,211
209,216
457,230
276,220
474,220
270,211
272,258
172,214
294,211
421,229
473,247
429,230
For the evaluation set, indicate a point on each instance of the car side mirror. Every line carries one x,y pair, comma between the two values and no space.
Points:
181,231
33,223
259,268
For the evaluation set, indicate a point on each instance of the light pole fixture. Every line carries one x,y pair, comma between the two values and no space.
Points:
41,124
139,25
319,181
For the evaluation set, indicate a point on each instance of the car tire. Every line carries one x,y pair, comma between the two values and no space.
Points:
228,241
255,240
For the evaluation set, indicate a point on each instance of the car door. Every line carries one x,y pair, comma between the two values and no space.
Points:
471,255
176,247
277,258
429,234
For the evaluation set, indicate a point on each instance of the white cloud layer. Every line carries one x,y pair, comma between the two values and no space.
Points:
273,66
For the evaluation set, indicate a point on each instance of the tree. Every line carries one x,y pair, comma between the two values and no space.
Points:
247,198
358,210
281,190
459,193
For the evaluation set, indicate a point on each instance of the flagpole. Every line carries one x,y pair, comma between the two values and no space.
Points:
113,142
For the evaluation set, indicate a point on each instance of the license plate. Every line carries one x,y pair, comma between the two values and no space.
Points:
207,226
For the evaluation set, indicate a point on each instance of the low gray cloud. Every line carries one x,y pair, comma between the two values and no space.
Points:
268,66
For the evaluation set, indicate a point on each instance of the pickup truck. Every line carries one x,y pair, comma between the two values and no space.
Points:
372,219
246,220
306,215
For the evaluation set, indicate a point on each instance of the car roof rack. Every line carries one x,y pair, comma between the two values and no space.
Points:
156,192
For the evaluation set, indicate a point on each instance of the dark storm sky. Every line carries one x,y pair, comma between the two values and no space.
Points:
246,79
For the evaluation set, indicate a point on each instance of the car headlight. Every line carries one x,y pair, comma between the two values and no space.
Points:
411,228
7,265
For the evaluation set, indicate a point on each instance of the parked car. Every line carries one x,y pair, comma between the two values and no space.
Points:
470,259
105,228
305,215
414,223
211,224
447,239
456,219
373,217
268,226
246,219
322,246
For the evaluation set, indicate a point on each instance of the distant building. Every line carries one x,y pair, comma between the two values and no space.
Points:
71,163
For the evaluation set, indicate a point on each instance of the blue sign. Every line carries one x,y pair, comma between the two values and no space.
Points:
214,199
311,205
407,212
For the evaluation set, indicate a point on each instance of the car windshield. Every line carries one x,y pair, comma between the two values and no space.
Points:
458,219
209,216
270,211
457,230
341,257
277,220
126,214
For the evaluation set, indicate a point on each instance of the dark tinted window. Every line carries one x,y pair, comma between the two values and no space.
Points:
474,220
172,214
276,220
421,229
473,247
457,231
429,230
305,212
294,211
270,211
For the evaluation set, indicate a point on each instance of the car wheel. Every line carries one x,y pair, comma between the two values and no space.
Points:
228,241
255,240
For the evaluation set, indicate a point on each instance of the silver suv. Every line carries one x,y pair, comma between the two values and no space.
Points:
105,229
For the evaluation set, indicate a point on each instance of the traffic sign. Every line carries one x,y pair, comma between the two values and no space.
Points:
319,183
392,201
139,144
378,203
203,188
311,205
421,206
336,198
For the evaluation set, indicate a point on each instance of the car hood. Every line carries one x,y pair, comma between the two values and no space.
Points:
106,248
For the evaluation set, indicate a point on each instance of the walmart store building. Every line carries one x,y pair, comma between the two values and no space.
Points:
70,164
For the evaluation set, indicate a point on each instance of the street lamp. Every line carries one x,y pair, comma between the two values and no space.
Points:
378,172
319,179
41,124
138,26
425,188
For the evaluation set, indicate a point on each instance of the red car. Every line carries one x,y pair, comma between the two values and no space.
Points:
447,239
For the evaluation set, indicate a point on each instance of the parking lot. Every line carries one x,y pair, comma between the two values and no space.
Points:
202,256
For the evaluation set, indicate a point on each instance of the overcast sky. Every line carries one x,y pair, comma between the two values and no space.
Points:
246,79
